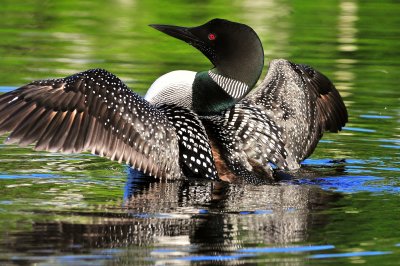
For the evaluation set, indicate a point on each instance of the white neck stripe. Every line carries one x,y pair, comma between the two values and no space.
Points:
233,87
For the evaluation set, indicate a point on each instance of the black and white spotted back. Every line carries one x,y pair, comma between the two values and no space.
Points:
250,142
279,123
194,149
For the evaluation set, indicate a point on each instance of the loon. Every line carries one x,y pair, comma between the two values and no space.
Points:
215,124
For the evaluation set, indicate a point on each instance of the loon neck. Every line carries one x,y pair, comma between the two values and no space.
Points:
234,75
207,97
244,68
216,90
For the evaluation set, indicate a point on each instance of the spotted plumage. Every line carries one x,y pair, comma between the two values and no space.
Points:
195,124
195,151
279,123
95,111
246,132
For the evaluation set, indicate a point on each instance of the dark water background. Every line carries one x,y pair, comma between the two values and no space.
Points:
80,209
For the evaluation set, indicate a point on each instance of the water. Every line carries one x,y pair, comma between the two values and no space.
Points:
83,210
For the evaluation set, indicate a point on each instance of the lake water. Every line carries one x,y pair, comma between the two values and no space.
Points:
84,210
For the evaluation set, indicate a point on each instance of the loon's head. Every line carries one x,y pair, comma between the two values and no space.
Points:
233,48
236,53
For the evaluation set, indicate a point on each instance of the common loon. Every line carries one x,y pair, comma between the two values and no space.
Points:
206,124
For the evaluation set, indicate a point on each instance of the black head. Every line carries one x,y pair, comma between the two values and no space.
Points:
233,48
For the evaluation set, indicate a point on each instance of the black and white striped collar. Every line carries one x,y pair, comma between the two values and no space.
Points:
234,88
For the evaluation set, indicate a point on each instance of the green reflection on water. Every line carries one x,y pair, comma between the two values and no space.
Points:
356,43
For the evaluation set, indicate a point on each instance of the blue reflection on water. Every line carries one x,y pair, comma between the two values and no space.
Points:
252,252
81,259
256,212
291,249
214,257
6,88
352,184
376,116
390,146
391,169
390,140
350,254
359,129
29,176
325,162
245,252
326,141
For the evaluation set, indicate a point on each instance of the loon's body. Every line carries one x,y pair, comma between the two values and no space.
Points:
202,124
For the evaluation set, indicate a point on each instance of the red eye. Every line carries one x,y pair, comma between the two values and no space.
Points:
212,36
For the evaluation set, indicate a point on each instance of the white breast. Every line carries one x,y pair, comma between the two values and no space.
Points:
172,88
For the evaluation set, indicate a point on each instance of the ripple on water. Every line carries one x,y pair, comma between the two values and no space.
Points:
390,140
4,89
353,184
359,129
350,254
177,255
290,249
67,259
29,176
390,146
376,116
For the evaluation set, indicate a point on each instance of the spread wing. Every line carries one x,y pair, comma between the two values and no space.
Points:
91,111
303,103
282,120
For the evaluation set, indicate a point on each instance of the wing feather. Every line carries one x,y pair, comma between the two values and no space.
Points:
91,111
303,102
280,122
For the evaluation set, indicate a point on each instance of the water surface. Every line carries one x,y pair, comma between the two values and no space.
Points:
58,209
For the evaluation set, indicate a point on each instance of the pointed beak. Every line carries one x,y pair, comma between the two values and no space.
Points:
190,36
181,33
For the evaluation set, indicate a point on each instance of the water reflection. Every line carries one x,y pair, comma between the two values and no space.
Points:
183,218
347,45
232,214
347,30
265,24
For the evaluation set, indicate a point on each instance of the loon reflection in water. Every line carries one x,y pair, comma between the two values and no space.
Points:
182,214
209,124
